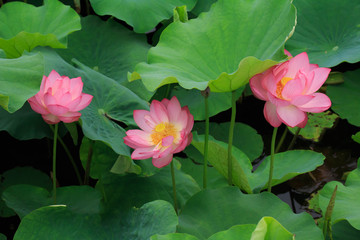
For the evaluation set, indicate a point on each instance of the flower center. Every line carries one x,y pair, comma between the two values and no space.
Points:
280,86
163,130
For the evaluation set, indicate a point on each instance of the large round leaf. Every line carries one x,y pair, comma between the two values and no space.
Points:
345,97
24,198
109,48
21,175
19,80
132,190
143,15
328,30
222,48
215,210
286,166
346,201
23,26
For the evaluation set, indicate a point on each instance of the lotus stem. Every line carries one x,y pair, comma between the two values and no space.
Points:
54,161
327,217
272,158
231,135
292,143
88,163
206,144
281,140
70,157
174,186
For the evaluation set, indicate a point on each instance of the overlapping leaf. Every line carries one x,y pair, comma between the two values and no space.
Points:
222,48
328,30
143,15
230,207
345,97
109,48
23,26
19,80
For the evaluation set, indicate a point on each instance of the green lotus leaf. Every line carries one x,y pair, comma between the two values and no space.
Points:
328,30
218,158
193,98
2,237
316,125
286,166
202,6
24,26
245,137
345,97
142,15
346,201
222,48
19,80
174,236
24,198
230,207
102,157
356,137
21,175
343,230
113,50
124,192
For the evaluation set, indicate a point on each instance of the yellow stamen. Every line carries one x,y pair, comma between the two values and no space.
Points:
280,86
163,130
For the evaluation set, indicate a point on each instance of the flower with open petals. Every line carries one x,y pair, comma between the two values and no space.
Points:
60,99
166,130
289,90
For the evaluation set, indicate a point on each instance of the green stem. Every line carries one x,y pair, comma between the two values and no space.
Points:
76,169
231,135
1,3
54,161
88,163
87,4
281,140
174,186
272,158
292,143
206,145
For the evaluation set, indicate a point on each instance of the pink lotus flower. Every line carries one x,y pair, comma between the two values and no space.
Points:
166,130
289,90
60,99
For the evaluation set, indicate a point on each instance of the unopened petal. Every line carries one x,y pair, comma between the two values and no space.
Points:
158,112
36,106
300,61
57,110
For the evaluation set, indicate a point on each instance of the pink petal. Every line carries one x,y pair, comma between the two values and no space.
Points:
271,115
50,119
71,118
184,142
140,119
65,99
49,99
190,122
165,102
142,153
182,120
167,141
76,87
291,115
57,110
269,83
301,100
300,61
287,53
303,123
162,162
257,88
319,103
36,106
174,109
141,138
293,88
320,76
164,151
158,112
85,101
